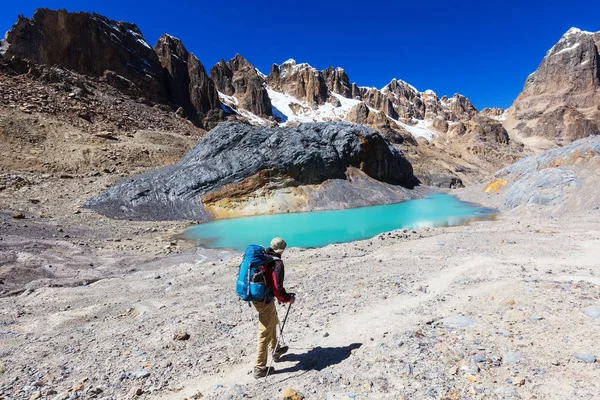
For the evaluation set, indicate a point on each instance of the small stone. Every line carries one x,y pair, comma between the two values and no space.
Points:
479,358
457,320
18,215
519,381
291,394
326,334
138,374
512,357
408,370
35,395
585,357
181,335
135,391
592,311
61,396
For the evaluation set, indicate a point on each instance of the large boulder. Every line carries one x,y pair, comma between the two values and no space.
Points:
236,159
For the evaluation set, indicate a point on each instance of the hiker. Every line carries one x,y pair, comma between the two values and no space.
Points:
267,314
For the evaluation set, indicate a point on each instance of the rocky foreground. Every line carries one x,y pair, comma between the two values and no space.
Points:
495,309
498,309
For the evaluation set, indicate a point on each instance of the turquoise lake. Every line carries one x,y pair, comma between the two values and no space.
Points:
320,228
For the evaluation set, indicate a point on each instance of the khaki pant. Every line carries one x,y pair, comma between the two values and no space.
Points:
267,331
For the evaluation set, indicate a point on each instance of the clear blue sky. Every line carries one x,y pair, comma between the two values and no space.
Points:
482,49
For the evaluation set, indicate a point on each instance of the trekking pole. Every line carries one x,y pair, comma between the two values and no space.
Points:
278,339
284,319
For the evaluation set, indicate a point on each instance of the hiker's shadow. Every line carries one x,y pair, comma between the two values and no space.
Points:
318,358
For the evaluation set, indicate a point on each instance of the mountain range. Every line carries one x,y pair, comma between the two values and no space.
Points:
440,135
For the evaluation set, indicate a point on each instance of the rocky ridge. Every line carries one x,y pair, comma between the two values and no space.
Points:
170,78
235,160
117,53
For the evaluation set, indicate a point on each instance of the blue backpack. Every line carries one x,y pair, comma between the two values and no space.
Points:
251,283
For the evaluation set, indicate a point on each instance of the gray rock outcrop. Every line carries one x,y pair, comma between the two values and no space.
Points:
235,159
553,177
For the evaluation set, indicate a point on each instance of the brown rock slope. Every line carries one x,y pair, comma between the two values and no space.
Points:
116,52
560,101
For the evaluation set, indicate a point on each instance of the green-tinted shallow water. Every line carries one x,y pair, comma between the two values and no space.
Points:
317,229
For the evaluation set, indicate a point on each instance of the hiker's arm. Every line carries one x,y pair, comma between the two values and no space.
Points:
278,289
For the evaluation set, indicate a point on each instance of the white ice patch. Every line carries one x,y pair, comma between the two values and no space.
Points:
4,45
386,87
232,103
500,117
566,49
260,73
421,129
139,38
575,31
290,109
583,63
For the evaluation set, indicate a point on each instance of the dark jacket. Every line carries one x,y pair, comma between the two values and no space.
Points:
274,275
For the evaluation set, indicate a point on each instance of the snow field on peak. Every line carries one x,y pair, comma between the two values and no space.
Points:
288,109
294,110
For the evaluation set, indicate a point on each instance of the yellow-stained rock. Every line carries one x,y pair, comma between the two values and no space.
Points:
291,394
495,186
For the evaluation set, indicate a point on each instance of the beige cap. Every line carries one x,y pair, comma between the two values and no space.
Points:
278,245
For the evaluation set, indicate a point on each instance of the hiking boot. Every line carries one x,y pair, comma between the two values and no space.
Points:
262,372
280,351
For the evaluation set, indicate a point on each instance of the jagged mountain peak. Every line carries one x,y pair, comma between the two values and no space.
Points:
576,31
558,103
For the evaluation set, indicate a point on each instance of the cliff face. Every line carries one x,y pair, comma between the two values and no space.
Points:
560,101
240,79
117,52
89,44
236,159
186,81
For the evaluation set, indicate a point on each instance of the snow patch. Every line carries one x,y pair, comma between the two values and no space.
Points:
400,81
576,31
172,37
260,73
290,109
421,129
230,104
430,92
576,45
4,45
501,117
582,63
139,38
